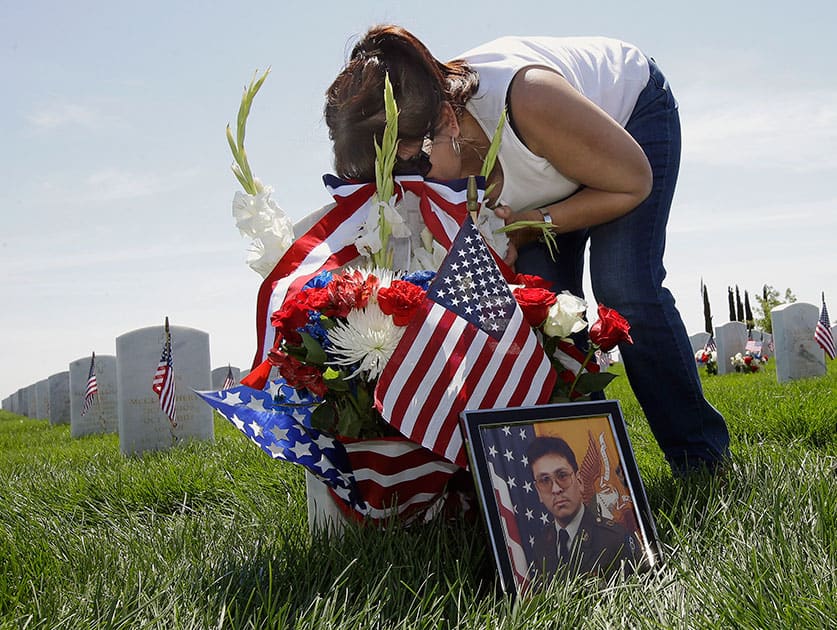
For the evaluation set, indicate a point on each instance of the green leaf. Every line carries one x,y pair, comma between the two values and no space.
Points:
494,148
314,351
589,383
322,418
335,380
349,423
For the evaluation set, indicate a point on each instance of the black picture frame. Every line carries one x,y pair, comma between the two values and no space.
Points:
614,531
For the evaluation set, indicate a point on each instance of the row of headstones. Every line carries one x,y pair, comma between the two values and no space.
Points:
794,349
125,402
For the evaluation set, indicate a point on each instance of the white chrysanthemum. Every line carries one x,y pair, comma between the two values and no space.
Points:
367,337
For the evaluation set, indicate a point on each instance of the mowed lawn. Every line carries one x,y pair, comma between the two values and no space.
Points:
214,535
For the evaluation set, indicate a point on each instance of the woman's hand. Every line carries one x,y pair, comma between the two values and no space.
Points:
517,238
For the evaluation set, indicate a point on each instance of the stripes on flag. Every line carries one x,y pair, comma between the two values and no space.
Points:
459,351
822,333
92,386
511,532
229,381
710,345
163,383
397,477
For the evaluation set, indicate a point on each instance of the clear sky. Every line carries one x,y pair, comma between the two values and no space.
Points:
115,187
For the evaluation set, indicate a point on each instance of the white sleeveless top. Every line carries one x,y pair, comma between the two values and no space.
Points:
609,72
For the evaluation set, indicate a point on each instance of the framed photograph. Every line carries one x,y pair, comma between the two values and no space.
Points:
560,492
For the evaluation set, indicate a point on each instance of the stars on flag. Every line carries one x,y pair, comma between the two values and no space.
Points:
280,426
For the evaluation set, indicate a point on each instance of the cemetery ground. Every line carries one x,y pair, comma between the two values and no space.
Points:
213,535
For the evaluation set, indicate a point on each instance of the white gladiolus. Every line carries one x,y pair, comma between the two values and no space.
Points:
262,220
429,256
566,316
397,225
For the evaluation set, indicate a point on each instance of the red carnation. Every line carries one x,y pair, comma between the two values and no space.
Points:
610,329
401,300
349,291
535,302
293,314
298,375
532,282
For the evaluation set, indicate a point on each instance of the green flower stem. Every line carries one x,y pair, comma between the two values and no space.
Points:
241,168
546,232
590,351
384,163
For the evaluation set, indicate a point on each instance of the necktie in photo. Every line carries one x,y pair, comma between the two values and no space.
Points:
563,545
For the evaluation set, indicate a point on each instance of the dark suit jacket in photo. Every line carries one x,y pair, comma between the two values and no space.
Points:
598,547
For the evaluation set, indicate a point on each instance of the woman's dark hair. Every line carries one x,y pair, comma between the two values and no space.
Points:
354,110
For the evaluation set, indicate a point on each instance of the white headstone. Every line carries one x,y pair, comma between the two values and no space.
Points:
31,401
242,374
102,417
699,341
797,354
731,338
20,404
42,396
219,375
142,424
59,398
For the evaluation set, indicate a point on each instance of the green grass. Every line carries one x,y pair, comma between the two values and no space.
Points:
214,535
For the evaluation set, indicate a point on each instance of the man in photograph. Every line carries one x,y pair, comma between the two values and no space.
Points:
577,540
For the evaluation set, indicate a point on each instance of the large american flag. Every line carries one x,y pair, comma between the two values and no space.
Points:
280,431
329,243
92,386
163,383
468,348
822,333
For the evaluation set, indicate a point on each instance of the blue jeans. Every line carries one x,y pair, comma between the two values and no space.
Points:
626,271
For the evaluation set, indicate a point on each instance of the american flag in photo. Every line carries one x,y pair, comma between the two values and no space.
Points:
822,333
276,419
505,447
92,386
469,347
163,383
515,546
329,243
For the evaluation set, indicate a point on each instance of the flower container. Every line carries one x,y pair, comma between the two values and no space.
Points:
399,480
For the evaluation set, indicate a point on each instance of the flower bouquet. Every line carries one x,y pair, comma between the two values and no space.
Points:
369,365
709,358
746,362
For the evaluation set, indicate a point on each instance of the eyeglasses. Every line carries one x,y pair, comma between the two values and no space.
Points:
418,164
561,477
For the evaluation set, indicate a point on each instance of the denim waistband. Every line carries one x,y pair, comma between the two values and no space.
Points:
656,91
